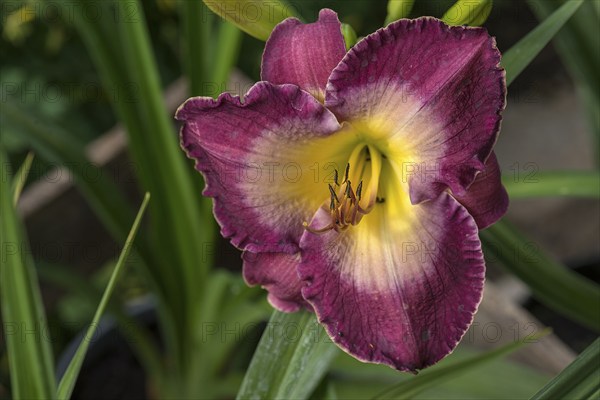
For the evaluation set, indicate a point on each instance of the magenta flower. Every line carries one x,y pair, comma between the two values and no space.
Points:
356,182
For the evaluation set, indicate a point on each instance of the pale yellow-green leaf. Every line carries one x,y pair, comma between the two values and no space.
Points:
468,12
255,17
397,9
350,37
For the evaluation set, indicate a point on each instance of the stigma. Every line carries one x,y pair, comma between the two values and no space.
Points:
349,203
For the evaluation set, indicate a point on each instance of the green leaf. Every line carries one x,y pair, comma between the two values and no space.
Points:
552,283
196,40
521,54
67,383
122,52
410,387
354,380
24,321
468,12
292,357
580,380
555,184
255,17
397,9
229,303
228,45
577,44
21,177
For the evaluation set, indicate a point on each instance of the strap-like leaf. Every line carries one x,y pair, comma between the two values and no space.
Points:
554,184
21,177
292,357
411,387
552,283
580,380
67,383
520,55
24,320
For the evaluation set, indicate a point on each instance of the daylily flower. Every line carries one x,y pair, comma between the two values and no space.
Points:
356,182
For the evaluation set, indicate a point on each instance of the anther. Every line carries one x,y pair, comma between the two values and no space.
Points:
359,190
348,189
347,172
333,195
335,177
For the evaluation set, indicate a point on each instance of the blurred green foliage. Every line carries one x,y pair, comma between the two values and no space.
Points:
45,66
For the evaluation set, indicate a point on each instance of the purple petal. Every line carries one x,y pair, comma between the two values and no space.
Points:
436,92
401,296
486,200
240,146
277,273
304,54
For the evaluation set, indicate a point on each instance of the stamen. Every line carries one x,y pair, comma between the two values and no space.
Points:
344,206
350,194
348,188
347,172
333,195
322,230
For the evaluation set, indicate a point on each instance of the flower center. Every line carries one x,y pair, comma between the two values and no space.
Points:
350,202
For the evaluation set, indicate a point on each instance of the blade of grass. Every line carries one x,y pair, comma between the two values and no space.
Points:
24,321
285,366
580,380
552,283
140,338
67,383
410,387
520,55
21,177
554,184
